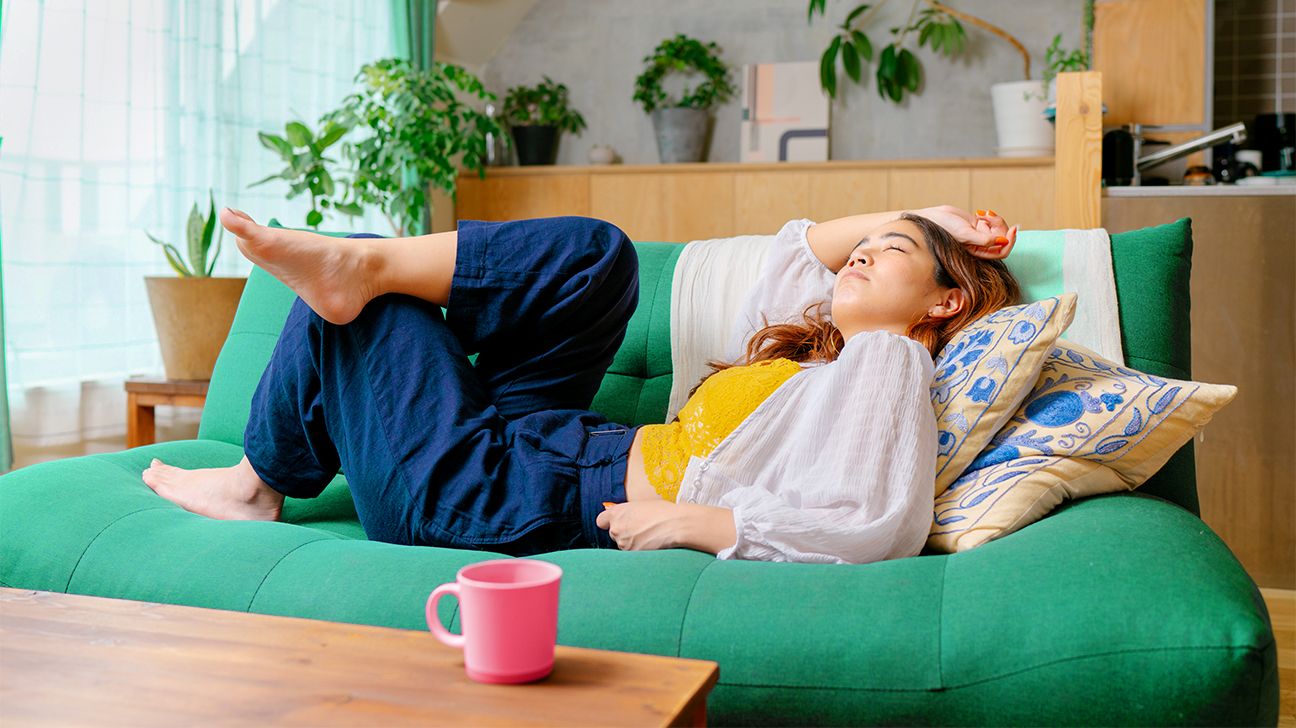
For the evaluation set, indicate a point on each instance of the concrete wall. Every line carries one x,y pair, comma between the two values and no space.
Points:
597,47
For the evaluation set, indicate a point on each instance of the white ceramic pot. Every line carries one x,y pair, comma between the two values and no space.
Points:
1019,119
602,154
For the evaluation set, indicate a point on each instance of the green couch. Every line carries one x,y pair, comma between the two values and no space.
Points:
1119,609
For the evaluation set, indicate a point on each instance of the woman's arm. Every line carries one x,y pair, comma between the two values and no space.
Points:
833,241
706,528
645,525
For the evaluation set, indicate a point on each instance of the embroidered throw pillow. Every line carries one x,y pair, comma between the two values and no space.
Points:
1089,426
983,374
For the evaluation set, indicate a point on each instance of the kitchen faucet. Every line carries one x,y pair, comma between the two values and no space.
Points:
1235,133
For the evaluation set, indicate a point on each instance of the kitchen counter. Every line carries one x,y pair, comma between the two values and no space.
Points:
1201,191
1243,311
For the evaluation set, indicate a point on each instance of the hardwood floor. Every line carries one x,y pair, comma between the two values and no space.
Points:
1282,612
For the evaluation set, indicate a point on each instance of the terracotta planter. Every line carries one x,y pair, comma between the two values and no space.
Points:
193,317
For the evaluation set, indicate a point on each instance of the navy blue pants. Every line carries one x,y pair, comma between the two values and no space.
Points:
503,456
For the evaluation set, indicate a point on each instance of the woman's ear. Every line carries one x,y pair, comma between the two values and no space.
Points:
952,303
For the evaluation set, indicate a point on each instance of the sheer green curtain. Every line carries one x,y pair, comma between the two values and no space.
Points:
118,116
413,24
6,440
413,30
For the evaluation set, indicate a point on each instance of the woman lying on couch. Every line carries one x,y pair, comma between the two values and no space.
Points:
819,445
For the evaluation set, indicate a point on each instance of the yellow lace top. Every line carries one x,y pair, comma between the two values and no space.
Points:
722,402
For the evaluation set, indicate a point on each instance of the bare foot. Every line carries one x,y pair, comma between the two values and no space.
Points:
336,278
234,493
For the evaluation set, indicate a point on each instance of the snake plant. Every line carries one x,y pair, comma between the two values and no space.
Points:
199,232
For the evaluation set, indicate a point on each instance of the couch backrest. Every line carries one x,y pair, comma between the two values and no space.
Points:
1151,267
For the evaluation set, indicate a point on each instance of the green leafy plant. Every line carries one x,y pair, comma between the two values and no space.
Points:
415,128
899,71
308,169
1058,60
687,55
413,131
199,232
545,104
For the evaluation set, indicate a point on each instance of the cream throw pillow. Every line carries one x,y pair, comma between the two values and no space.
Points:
983,374
1089,426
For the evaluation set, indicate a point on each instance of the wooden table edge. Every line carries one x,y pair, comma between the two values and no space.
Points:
690,710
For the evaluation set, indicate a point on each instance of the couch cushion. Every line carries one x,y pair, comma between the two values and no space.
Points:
1152,267
984,373
1088,427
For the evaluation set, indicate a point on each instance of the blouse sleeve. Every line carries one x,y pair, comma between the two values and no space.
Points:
855,481
791,279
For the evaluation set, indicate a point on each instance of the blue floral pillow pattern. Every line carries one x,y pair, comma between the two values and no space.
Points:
1089,426
984,373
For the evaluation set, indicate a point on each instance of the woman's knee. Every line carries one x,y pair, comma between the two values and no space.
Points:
617,251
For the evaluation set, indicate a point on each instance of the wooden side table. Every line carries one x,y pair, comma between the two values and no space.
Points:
145,393
79,660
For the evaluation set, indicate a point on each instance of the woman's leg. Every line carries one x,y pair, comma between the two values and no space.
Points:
335,278
392,398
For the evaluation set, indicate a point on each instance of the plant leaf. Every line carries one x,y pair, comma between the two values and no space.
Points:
332,133
938,38
863,44
827,67
208,230
815,5
298,134
850,59
887,63
276,144
172,256
314,218
855,14
326,181
212,266
193,236
912,70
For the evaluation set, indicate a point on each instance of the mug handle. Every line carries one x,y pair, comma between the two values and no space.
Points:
434,622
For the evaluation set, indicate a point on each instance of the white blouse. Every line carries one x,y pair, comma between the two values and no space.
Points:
838,464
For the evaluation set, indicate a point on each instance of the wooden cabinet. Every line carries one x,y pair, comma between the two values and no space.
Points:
682,202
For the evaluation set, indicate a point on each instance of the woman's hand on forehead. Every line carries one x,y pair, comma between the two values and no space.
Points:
985,233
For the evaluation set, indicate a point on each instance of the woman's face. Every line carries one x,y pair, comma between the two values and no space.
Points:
888,283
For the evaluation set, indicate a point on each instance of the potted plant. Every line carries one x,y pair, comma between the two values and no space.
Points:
536,115
1022,121
681,125
192,313
414,131
1019,110
308,169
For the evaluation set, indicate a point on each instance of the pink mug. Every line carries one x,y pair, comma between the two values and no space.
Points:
508,609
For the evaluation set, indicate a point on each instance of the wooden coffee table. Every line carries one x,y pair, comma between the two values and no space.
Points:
77,660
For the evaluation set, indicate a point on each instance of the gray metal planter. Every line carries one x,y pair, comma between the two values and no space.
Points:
681,134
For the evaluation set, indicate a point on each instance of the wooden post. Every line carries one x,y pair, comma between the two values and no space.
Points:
1077,187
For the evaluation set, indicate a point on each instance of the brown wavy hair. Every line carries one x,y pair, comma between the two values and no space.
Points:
987,285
